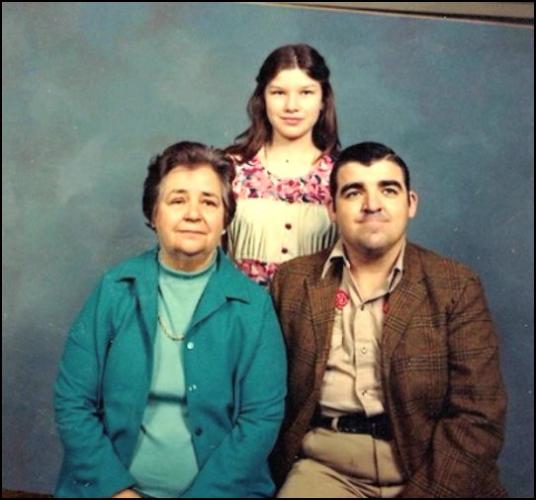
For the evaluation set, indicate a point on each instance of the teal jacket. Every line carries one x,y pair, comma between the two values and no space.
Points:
235,371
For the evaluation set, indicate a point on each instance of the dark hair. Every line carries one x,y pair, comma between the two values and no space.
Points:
190,155
304,57
366,153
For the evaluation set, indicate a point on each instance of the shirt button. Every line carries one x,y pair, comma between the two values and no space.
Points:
288,226
284,250
190,346
192,388
363,350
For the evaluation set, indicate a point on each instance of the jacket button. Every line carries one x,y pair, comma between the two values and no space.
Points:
198,431
190,345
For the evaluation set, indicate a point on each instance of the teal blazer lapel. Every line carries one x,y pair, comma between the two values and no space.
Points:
220,287
144,270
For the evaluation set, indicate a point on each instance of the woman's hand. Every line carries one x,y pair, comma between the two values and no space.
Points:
126,494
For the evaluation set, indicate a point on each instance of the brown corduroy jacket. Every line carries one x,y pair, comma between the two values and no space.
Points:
440,371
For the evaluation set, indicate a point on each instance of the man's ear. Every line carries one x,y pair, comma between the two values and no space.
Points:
413,204
331,210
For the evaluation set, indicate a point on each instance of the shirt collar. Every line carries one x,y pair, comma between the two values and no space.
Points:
338,253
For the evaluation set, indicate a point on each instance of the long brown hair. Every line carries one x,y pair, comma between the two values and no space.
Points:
304,57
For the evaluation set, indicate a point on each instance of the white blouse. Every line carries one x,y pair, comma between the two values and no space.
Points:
278,219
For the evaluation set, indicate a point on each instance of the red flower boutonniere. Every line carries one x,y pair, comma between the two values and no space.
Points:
341,299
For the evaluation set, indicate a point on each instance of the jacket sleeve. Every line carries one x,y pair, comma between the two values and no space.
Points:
469,434
91,467
231,468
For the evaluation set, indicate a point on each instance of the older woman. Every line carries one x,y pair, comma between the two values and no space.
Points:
173,377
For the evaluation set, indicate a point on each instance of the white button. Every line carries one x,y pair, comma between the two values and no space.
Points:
363,350
190,346
192,387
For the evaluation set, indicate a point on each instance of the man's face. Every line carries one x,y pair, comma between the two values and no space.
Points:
372,206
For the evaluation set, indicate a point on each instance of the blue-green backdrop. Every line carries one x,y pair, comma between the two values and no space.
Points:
91,91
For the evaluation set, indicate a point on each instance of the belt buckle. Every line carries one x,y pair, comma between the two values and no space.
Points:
335,424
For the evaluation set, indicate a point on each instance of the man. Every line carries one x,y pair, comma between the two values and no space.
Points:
394,380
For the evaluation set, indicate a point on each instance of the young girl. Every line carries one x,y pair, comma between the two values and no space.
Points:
283,164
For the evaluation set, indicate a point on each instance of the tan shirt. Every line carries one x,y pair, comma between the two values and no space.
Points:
352,381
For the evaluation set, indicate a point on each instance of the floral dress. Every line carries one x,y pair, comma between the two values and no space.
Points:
278,219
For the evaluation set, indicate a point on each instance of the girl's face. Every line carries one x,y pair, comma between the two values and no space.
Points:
293,104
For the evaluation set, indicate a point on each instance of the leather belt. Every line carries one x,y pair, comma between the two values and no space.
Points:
378,426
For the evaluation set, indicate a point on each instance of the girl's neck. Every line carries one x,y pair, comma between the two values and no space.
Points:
290,158
291,148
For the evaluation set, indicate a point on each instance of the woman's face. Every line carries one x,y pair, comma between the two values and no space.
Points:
293,104
189,217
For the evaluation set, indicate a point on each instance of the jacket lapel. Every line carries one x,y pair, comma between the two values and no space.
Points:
212,299
221,286
321,299
402,304
144,270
